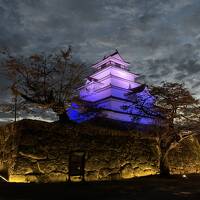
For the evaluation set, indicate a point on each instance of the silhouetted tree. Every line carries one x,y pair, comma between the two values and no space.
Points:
46,80
177,112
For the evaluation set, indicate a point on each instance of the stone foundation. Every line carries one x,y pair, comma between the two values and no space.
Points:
35,151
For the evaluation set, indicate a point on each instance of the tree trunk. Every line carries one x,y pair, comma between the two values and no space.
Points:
15,108
164,165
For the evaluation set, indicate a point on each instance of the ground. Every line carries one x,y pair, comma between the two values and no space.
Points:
152,187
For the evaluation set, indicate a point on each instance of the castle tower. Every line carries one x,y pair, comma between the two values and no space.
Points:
108,86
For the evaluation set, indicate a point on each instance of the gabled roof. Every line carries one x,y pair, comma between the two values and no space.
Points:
138,89
115,57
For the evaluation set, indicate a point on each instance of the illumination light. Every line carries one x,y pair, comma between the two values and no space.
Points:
184,176
3,178
107,89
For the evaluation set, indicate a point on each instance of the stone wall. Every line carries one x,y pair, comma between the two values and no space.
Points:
185,159
40,152
8,148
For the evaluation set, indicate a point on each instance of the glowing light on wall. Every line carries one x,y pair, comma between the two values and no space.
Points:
75,114
107,88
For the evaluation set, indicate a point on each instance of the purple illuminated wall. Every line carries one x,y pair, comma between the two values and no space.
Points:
107,89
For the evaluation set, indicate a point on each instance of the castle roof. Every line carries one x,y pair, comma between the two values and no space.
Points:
115,57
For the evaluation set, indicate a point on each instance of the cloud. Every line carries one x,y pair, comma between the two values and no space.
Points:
160,38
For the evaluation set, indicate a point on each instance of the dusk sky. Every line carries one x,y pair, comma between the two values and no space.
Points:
160,38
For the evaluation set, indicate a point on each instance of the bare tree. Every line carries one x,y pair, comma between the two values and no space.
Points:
177,112
46,80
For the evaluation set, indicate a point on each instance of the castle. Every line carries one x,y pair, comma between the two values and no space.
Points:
110,89
86,151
